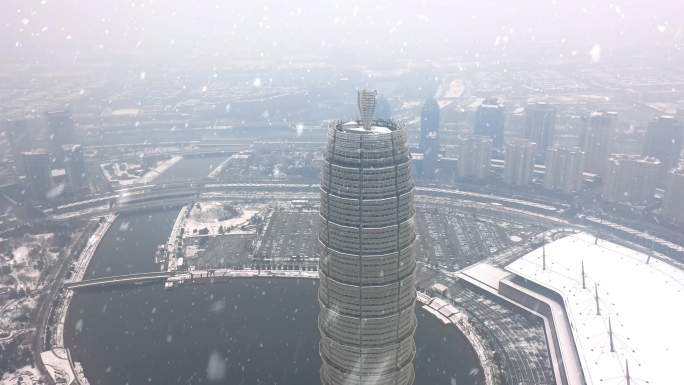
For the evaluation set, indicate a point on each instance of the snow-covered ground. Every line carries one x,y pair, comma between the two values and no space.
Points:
25,376
57,364
216,215
13,311
120,174
27,255
643,302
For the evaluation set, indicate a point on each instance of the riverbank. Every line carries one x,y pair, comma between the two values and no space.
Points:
57,360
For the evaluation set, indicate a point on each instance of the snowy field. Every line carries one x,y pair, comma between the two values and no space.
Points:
643,301
26,375
214,216
122,178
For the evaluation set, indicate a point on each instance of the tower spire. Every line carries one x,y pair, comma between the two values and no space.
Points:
366,104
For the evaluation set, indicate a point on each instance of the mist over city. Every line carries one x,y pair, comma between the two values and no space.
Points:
341,193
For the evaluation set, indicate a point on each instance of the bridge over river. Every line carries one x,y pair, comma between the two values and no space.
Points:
128,279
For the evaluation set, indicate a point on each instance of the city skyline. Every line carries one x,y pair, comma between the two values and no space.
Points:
354,193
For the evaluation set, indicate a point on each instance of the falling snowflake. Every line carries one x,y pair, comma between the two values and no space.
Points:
216,367
595,53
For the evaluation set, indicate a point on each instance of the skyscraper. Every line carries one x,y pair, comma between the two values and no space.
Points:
664,142
474,157
74,166
489,120
38,173
563,169
595,141
429,136
540,125
367,258
630,179
519,162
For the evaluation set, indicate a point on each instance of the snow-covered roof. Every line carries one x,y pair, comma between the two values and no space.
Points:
644,303
354,126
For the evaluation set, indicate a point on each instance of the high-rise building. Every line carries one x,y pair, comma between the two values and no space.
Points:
38,173
474,157
74,165
563,169
540,125
519,162
429,136
595,141
367,258
630,179
664,142
489,121
673,209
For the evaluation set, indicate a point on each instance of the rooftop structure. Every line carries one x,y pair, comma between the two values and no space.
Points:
366,250
622,304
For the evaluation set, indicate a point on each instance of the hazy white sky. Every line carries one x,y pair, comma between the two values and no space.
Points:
384,29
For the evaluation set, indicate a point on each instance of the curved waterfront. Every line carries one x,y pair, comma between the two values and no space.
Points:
250,331
246,331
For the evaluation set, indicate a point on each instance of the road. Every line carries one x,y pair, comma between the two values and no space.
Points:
47,298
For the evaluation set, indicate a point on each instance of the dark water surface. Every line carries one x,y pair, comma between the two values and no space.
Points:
188,169
246,331
129,245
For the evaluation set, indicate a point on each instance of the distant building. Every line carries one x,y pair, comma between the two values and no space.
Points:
540,125
38,173
489,121
20,141
673,205
74,165
61,127
563,169
630,179
596,139
474,157
429,136
664,141
519,162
